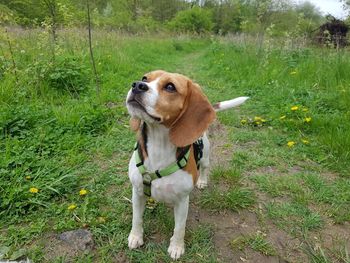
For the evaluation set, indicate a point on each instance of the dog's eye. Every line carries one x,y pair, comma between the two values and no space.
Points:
170,87
144,79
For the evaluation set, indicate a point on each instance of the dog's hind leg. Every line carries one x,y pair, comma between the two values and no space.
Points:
138,207
204,164
203,176
177,243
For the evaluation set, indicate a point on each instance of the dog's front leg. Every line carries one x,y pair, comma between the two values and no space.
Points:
138,207
177,243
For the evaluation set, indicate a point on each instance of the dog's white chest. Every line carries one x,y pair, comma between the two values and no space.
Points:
169,189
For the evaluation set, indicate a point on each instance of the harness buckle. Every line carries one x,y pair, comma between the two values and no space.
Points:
147,179
179,163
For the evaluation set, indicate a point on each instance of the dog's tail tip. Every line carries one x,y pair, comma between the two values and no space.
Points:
227,104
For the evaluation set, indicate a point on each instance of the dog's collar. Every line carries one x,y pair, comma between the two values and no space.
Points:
148,176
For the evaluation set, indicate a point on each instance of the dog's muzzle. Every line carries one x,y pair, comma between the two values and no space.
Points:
139,87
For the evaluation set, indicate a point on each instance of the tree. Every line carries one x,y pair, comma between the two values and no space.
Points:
51,6
346,4
227,16
28,12
310,11
7,16
164,10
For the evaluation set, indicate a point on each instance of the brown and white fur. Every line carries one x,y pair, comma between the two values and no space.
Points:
176,113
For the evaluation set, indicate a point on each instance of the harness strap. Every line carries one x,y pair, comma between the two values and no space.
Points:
148,177
198,151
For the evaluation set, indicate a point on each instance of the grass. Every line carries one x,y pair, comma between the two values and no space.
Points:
233,198
257,242
293,217
59,136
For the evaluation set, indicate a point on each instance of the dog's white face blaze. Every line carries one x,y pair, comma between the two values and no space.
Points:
152,97
148,102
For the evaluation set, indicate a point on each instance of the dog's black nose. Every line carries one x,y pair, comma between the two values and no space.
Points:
139,86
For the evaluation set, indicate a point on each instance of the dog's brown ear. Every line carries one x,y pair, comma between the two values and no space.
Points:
134,124
195,118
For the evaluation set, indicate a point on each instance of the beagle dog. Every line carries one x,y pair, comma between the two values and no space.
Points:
170,113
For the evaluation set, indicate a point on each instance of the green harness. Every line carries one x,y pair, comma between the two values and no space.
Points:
148,176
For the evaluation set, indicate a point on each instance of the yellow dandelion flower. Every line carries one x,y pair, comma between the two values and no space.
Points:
263,120
305,141
83,192
283,117
244,121
294,108
72,207
307,119
258,123
293,72
28,177
291,144
34,190
257,118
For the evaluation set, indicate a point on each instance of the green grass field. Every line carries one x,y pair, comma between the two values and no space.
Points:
280,186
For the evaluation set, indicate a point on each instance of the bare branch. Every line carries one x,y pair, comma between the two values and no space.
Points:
91,52
12,56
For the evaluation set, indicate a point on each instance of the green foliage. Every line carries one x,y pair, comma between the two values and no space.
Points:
221,17
34,146
7,16
195,20
67,73
16,122
4,66
228,17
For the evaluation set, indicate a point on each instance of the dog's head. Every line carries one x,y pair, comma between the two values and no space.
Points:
172,100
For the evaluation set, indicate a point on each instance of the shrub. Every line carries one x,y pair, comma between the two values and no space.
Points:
65,73
195,20
16,122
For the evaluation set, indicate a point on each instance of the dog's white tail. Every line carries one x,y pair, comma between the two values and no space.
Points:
227,104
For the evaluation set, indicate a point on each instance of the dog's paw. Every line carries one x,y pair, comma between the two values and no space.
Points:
176,249
201,184
135,241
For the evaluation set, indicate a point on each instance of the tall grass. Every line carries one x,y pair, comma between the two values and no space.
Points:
278,78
